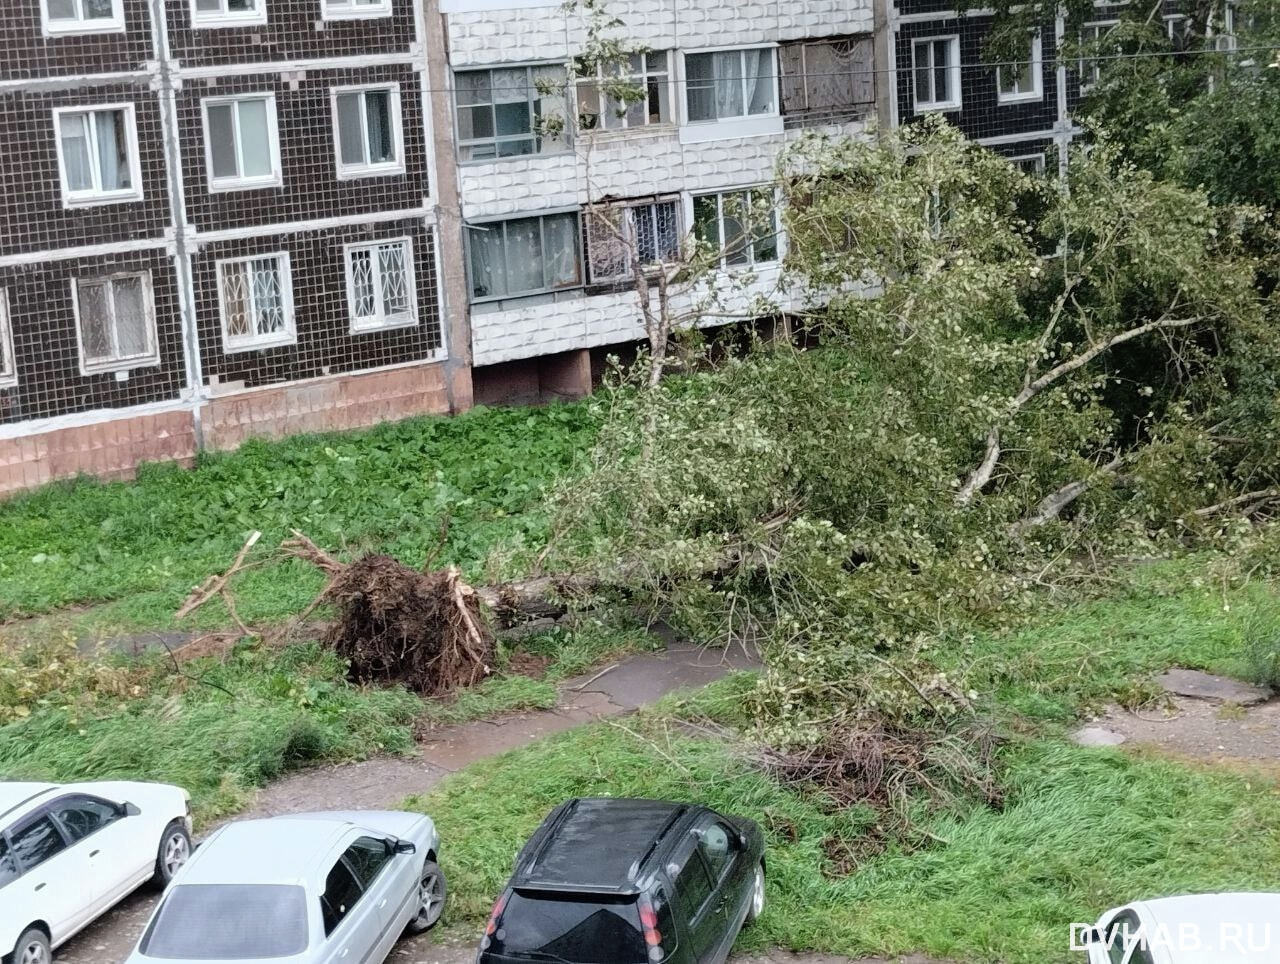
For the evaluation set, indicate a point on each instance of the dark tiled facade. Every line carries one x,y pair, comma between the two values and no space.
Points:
177,230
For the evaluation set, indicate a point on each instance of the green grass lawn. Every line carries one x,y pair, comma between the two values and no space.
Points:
1081,830
142,545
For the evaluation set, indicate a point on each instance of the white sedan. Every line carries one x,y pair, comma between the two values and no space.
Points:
1193,929
68,853
320,888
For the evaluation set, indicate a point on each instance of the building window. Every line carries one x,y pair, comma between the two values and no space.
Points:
510,112
648,72
228,13
935,69
741,227
380,288
349,9
1023,81
1093,38
620,234
731,84
98,154
525,256
82,16
115,322
828,79
1029,163
8,367
366,123
242,147
256,301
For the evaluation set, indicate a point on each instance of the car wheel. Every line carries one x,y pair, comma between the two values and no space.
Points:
173,852
756,907
33,948
432,891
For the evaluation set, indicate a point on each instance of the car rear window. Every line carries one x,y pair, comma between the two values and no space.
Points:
582,929
228,922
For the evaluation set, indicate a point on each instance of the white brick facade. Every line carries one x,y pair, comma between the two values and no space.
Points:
663,161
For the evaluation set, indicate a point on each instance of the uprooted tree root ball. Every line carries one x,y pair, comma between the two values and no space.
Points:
397,625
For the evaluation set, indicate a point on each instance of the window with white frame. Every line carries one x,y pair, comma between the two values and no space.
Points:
82,16
344,9
729,84
242,147
935,71
255,296
98,154
524,256
646,74
1024,80
619,235
1029,163
8,366
510,112
740,226
366,124
116,322
1093,44
380,287
228,13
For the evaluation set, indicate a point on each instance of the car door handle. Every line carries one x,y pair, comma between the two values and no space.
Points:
40,886
94,853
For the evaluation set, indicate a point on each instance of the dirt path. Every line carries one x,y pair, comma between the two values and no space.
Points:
385,781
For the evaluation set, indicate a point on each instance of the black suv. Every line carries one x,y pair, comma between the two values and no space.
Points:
611,881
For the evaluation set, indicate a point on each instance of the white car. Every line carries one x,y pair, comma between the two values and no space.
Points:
1194,929
68,853
317,888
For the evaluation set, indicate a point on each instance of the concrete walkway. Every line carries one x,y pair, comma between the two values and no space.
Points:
385,781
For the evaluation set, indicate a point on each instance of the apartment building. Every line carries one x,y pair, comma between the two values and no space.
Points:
218,221
1023,108
542,205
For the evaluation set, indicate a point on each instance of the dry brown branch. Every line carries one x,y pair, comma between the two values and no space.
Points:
216,585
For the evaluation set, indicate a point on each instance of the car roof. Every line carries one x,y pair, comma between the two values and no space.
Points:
1250,915
597,844
274,850
14,794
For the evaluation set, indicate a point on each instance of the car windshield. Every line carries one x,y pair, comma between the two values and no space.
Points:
228,922
580,929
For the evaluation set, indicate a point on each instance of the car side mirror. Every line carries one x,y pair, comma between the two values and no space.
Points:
405,847
129,809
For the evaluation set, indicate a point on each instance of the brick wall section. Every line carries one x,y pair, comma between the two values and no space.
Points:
32,215
352,401
30,53
45,348
109,450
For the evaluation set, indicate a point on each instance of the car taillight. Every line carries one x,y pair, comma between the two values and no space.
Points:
492,926
649,923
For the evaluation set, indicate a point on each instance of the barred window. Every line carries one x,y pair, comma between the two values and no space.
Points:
619,234
115,321
8,367
82,16
380,285
98,154
649,74
741,225
256,299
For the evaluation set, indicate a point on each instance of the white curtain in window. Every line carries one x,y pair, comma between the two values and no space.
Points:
560,239
268,301
95,321
523,256
113,163
760,84
728,73
97,9
396,299
378,110
63,10
255,146
487,277
75,152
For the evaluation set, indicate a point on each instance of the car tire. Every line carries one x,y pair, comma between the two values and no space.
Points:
33,948
173,851
756,907
432,891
